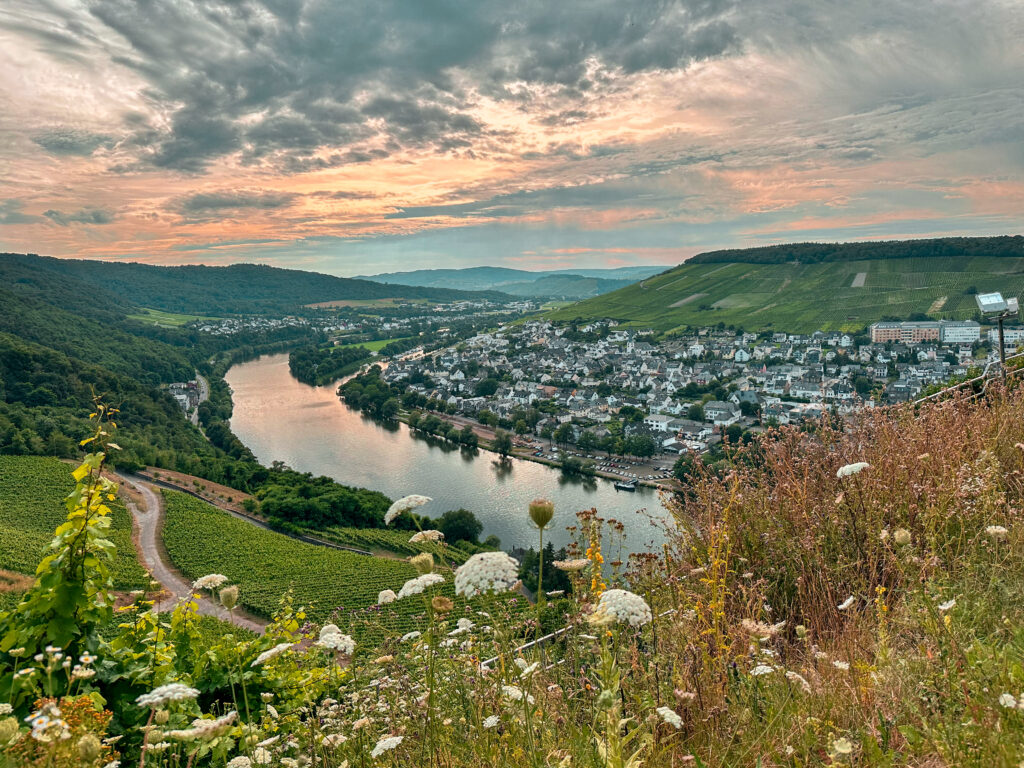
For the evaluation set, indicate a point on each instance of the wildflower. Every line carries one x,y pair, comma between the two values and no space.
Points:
947,605
261,756
883,534
87,658
529,670
996,532
465,624
541,512
332,639
486,572
759,629
334,740
626,607
852,469
210,581
669,716
229,597
403,505
442,604
1008,700
420,583
848,602
5,709
272,711
165,694
273,653
386,744
239,762
901,536
426,536
386,596
761,669
571,565
410,636
113,764
555,593
796,677
267,696
841,665
514,693
842,747
491,721
423,562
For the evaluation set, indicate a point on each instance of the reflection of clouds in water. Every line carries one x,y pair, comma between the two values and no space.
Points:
313,431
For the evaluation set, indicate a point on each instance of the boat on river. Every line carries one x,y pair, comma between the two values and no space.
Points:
625,485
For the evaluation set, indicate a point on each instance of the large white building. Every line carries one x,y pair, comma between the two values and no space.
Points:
1010,335
959,331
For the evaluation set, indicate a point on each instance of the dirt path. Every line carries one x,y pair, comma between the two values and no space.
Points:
147,521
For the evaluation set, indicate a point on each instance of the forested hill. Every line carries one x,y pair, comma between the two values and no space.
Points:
202,290
816,253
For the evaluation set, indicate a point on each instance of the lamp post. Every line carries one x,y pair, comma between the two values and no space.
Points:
995,307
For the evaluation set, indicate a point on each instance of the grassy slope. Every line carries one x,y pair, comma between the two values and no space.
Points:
32,491
803,298
201,539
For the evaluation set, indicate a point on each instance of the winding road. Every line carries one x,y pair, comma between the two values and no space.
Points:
147,523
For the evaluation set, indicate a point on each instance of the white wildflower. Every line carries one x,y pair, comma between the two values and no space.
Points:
1008,700
514,693
386,744
761,669
420,583
386,596
852,469
841,665
571,565
847,603
901,536
625,607
165,694
410,636
426,536
332,638
403,505
5,709
947,605
210,581
334,740
491,721
273,653
239,762
529,670
465,624
486,572
669,716
796,677
996,531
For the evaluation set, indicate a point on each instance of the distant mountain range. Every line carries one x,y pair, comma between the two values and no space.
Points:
557,283
202,290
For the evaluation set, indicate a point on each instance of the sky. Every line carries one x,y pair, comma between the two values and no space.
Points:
365,136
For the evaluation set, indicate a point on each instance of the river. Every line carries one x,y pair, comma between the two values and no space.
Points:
311,430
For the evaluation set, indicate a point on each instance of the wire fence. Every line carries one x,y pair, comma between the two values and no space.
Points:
978,384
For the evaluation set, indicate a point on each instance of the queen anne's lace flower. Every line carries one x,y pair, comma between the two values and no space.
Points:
426,536
165,694
386,744
239,762
486,572
514,693
762,669
403,505
273,653
847,603
210,581
996,531
852,469
410,636
669,716
386,596
625,607
491,721
332,638
571,565
420,583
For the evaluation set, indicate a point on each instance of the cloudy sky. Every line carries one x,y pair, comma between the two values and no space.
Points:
357,136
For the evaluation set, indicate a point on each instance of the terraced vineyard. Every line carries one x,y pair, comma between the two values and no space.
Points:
32,492
792,296
380,540
335,585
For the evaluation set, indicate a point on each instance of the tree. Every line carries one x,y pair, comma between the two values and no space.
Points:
685,466
564,434
460,525
587,441
733,433
487,387
749,409
390,408
521,427
695,412
414,419
468,437
502,442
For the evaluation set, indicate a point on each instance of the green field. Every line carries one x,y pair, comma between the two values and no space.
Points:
201,539
802,298
165,319
374,346
32,491
387,541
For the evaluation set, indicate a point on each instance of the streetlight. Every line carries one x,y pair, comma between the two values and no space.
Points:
995,307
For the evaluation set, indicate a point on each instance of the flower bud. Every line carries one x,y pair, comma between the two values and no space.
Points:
801,631
229,596
901,536
442,604
8,730
541,512
423,562
161,717
89,748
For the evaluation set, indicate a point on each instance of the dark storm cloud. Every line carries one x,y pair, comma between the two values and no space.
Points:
203,205
84,216
70,141
277,80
